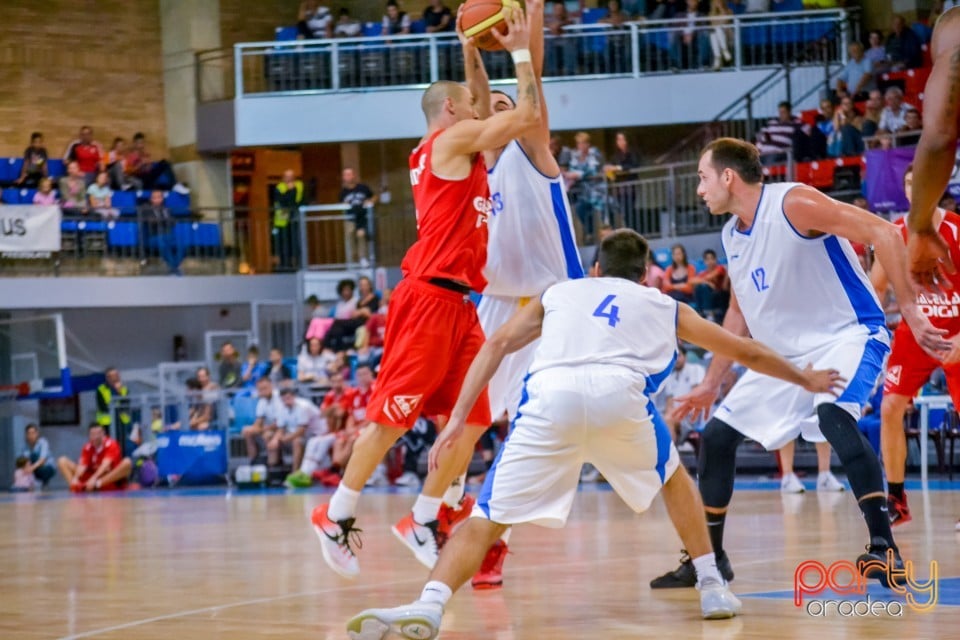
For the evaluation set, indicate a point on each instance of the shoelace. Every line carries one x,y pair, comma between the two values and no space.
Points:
348,536
685,557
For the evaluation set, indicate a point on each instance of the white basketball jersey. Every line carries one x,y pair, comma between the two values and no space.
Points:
610,322
797,293
530,245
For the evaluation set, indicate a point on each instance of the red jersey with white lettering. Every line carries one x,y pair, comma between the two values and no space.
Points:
943,308
451,221
359,402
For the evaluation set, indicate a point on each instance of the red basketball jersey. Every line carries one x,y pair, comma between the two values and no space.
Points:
451,221
943,308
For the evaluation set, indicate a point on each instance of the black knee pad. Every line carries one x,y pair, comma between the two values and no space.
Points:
859,460
718,462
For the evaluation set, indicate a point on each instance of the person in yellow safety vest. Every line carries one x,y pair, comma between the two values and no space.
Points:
105,394
287,199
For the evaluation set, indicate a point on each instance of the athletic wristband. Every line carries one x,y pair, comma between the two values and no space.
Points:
521,55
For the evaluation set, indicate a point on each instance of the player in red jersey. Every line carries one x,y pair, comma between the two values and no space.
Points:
101,467
432,329
909,367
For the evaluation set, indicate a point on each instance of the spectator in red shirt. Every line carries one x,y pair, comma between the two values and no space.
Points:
336,404
88,154
678,280
711,288
101,467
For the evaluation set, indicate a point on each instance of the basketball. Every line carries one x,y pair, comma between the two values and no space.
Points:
481,17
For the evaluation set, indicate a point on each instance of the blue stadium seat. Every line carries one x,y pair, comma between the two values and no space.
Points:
68,226
418,26
178,203
26,196
10,169
125,202
206,234
788,5
663,257
372,29
285,34
10,195
55,168
123,234
92,226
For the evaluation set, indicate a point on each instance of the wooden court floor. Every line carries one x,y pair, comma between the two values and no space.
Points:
212,564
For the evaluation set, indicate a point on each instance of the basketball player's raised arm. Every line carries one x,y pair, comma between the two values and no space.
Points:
474,136
812,213
539,135
934,159
519,331
474,72
691,327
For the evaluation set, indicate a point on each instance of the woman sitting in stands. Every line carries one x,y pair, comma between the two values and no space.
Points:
46,194
342,333
99,195
677,281
313,363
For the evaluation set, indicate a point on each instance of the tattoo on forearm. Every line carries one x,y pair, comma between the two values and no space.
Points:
953,79
527,81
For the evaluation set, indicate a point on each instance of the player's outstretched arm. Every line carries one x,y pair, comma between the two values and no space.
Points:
755,355
474,72
522,329
813,213
473,136
536,141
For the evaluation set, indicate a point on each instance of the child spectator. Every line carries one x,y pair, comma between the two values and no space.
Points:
678,280
34,162
45,195
23,480
251,369
712,288
99,194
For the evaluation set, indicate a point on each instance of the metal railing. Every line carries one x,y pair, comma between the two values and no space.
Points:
582,51
207,241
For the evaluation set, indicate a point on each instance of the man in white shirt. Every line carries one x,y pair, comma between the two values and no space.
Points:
894,115
297,420
257,434
684,377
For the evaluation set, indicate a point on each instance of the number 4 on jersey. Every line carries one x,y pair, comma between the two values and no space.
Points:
612,315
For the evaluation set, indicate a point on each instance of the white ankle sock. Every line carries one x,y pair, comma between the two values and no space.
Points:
706,566
436,592
425,509
343,504
454,494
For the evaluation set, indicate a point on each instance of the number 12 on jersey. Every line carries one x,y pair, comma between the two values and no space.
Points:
608,310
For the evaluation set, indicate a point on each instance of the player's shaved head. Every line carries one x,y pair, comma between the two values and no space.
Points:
435,96
623,254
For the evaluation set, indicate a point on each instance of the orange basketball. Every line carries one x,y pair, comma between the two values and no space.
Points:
481,17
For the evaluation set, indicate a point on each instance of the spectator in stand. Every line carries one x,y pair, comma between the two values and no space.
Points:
342,334
654,274
297,420
720,34
876,54
23,480
360,198
857,78
287,200
153,175
346,302
948,203
678,279
585,182
314,21
395,22
73,191
623,158
690,49
312,364
847,124
207,394
560,53
37,452
229,366
360,398
909,134
780,136
826,124
376,326
895,113
157,230
663,9
336,404
88,154
277,372
873,112
365,354
560,152
34,162
252,369
257,434
45,194
616,16
682,379
101,466
347,25
711,288
438,17
904,49
99,195
120,180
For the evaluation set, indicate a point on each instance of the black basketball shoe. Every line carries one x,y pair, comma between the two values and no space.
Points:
874,563
685,575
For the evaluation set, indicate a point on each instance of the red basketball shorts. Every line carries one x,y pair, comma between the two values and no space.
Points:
909,367
432,337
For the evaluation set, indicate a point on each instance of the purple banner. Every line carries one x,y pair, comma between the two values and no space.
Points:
884,181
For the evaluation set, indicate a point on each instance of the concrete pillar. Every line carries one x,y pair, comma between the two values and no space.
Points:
189,26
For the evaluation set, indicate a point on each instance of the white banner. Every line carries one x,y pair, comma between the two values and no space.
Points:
29,229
